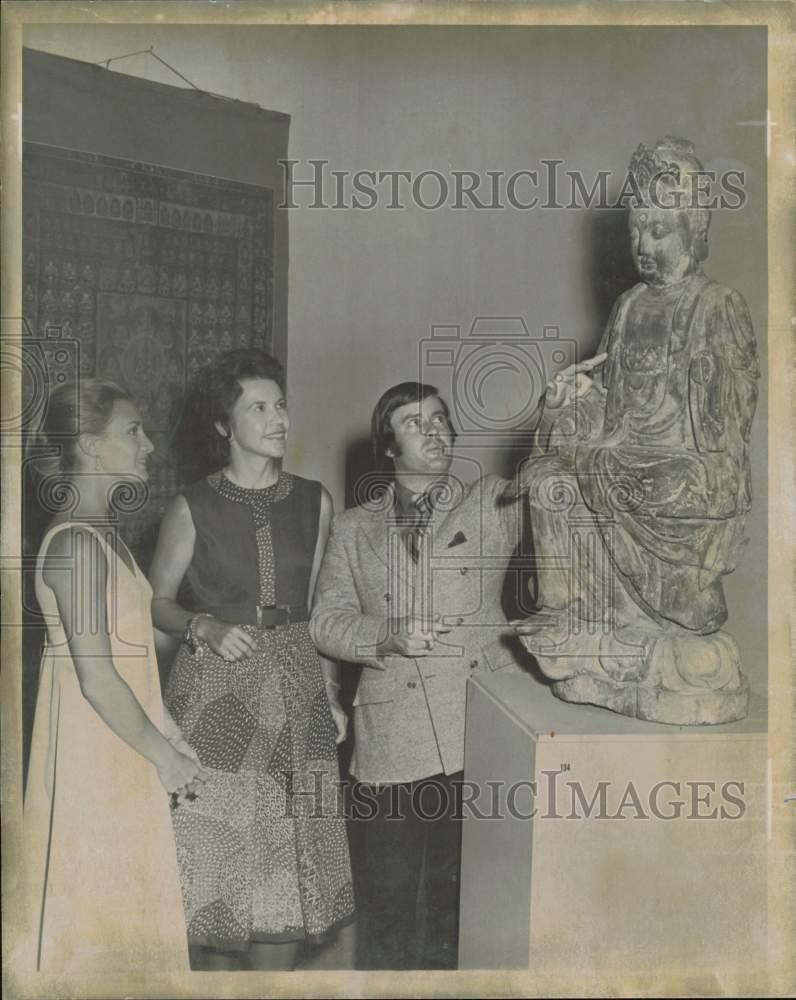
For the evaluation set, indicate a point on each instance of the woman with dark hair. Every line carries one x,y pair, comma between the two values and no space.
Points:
263,853
102,871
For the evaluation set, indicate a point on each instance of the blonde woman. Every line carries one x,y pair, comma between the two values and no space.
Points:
105,754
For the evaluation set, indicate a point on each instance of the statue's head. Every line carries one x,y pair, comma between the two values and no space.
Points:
669,221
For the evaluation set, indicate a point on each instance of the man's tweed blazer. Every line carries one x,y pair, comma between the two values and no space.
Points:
409,713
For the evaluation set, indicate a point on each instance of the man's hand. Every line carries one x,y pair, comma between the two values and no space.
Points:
340,720
571,383
338,712
412,637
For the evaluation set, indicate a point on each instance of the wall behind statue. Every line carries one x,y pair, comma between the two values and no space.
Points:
366,286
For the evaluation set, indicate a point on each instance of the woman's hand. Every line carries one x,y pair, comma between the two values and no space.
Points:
182,746
231,642
180,773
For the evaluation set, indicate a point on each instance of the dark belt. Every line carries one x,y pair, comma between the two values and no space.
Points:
272,615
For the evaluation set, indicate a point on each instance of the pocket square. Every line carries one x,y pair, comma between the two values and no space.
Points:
457,539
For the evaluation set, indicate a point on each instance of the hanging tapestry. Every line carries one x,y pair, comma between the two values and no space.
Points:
143,274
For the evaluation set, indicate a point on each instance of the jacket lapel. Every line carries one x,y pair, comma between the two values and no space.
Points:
448,523
384,539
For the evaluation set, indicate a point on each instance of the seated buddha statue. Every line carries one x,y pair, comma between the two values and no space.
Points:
639,478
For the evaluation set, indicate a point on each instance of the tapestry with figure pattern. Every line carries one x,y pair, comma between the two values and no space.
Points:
143,274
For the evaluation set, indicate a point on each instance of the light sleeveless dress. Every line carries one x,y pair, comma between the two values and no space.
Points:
102,875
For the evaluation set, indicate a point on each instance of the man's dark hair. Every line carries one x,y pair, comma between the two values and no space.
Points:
381,433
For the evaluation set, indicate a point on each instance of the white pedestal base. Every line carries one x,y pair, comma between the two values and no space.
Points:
595,879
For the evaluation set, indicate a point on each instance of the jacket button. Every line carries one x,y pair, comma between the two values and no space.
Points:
388,597
411,684
463,571
473,664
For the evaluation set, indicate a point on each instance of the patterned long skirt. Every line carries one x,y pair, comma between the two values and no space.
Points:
263,850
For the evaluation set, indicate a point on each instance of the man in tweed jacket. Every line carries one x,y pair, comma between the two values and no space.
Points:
410,587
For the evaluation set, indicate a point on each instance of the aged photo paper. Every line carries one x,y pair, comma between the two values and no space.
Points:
439,192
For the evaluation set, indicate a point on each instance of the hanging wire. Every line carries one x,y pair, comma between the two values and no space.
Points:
173,70
150,52
106,62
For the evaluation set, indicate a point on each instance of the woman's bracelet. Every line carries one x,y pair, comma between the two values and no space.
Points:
190,638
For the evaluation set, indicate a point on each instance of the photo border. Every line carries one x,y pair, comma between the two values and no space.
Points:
779,977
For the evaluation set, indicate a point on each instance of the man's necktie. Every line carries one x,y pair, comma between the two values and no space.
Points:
423,506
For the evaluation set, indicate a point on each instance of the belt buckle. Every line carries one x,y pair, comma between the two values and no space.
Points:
260,608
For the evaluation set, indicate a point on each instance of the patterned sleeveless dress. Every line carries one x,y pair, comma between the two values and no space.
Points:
263,850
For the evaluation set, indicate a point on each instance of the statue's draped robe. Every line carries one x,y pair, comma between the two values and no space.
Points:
659,453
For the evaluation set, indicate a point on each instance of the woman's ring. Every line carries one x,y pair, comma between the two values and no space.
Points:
428,644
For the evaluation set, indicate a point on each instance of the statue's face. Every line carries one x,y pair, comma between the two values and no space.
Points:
661,245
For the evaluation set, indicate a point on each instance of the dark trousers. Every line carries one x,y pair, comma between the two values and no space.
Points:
407,874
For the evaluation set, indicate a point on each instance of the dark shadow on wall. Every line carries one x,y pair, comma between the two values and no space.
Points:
35,521
516,452
611,262
192,431
519,598
360,478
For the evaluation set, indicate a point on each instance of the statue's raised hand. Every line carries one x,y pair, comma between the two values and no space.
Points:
571,383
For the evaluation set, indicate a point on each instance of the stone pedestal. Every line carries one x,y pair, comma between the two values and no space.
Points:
601,843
